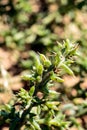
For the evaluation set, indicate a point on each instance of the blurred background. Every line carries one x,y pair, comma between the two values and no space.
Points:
35,25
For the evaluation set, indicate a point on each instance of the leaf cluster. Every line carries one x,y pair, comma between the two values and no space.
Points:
34,112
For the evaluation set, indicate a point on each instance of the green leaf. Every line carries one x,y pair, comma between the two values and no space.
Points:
31,91
46,62
67,69
54,77
36,125
28,77
40,69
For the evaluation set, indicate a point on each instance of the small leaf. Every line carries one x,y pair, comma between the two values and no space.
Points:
36,125
55,78
67,69
31,91
28,77
45,61
52,105
40,69
73,50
